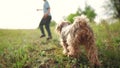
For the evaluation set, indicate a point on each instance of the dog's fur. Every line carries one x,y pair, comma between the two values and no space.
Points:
72,36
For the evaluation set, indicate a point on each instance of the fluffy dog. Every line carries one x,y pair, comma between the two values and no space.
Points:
72,36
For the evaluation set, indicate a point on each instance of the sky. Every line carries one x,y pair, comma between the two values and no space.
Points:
22,14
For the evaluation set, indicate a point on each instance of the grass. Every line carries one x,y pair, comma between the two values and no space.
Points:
24,49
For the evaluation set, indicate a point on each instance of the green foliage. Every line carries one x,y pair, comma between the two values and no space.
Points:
24,49
89,12
53,23
70,18
113,8
108,41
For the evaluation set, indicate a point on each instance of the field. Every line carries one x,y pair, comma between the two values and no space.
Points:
24,49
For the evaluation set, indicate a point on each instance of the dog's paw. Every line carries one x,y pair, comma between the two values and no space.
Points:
71,54
65,52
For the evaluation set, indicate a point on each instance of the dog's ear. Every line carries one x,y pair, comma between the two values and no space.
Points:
61,25
58,28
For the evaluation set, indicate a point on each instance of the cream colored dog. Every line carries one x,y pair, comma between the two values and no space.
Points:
72,36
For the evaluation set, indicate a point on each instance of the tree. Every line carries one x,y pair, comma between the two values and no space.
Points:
89,12
70,17
113,8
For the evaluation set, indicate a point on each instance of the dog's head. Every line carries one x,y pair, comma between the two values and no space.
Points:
60,26
81,20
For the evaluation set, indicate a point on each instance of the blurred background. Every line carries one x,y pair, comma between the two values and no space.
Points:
22,14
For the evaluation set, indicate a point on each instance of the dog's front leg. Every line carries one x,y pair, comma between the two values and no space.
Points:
71,51
64,45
